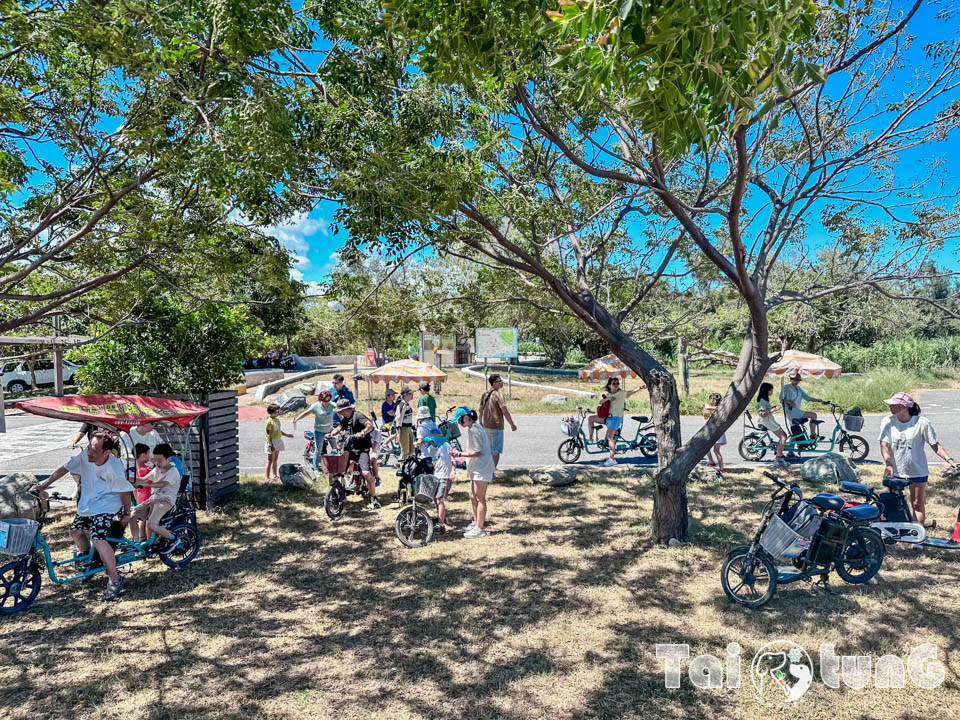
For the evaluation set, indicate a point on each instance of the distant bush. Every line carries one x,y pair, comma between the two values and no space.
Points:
906,354
575,357
530,347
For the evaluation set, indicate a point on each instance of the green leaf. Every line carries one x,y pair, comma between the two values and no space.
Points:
625,9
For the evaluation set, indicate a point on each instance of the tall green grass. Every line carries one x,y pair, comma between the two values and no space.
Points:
909,354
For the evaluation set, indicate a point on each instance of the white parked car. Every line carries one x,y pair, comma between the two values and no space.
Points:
15,376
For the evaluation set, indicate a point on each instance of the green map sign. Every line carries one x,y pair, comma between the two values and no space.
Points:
497,342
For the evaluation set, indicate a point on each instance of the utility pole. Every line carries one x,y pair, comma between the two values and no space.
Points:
57,358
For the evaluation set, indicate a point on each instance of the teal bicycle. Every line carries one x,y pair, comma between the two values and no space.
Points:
577,441
20,579
757,441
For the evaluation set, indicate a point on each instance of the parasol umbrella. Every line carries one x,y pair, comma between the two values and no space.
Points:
404,371
606,367
807,364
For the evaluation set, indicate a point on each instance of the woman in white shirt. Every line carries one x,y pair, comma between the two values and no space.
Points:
903,439
480,467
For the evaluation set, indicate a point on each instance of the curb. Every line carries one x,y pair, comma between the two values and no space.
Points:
268,387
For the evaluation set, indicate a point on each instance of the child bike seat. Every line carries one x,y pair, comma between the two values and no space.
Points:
895,483
640,418
826,501
855,488
860,513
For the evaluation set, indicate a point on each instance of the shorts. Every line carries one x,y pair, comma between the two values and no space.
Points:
152,510
444,487
614,423
477,477
496,440
918,480
769,423
722,440
96,526
273,445
362,460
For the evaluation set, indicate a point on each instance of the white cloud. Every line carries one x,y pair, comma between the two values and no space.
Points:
296,275
296,233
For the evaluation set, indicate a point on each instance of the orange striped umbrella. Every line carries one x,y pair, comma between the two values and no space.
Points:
606,367
407,371
807,364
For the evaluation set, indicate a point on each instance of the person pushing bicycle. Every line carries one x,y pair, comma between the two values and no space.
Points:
359,427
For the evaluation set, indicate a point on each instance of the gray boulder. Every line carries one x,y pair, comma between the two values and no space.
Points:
295,476
555,475
554,399
828,469
15,500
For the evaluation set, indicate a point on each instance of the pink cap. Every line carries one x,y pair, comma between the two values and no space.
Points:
901,398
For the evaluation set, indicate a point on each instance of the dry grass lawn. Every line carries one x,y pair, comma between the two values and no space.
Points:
286,614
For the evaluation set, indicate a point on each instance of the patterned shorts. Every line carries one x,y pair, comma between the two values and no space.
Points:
96,526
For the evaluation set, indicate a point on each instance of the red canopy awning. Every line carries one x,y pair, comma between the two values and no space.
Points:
118,411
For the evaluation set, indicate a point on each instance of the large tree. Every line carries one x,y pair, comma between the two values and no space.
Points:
130,134
745,133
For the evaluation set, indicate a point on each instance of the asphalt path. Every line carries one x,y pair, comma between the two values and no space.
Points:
40,445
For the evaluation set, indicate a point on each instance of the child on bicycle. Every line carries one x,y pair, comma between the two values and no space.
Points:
708,410
164,484
141,471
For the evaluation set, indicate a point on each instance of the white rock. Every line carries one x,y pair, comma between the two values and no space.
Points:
554,399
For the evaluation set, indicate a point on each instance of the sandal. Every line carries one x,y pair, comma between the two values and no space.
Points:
113,590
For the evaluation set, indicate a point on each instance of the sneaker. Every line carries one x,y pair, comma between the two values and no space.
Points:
439,528
113,590
171,546
781,462
374,505
471,526
609,462
474,533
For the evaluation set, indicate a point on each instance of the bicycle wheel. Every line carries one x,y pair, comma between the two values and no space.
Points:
413,527
857,448
751,447
190,541
333,501
748,582
19,586
862,556
569,451
648,445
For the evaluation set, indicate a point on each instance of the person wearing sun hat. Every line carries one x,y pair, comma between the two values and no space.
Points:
904,436
480,467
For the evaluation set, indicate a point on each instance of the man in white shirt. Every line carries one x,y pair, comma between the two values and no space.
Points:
104,492
792,397
146,434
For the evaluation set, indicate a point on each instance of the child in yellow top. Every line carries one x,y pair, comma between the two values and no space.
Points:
273,442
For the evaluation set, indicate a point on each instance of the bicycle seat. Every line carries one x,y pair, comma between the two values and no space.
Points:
640,418
855,488
308,434
816,422
826,501
895,483
800,421
860,513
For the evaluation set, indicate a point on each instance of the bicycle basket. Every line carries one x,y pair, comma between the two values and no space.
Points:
780,540
425,487
450,430
853,423
570,427
16,535
335,464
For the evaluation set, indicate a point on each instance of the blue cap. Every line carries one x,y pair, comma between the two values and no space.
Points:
462,411
436,439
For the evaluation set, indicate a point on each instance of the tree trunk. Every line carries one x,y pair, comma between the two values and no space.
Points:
670,489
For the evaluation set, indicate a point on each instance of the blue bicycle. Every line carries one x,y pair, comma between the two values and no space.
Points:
20,579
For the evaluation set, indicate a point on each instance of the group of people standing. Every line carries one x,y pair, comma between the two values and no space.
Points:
412,424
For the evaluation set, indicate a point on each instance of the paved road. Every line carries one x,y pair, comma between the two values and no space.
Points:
40,445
